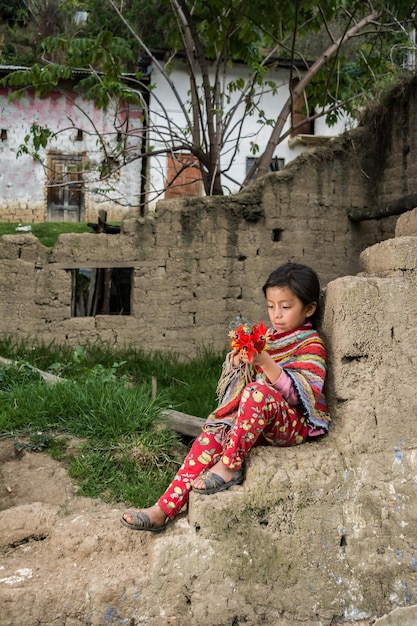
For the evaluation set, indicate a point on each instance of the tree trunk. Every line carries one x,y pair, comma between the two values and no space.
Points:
212,183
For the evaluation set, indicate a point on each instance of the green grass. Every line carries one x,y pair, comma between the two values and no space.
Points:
126,453
46,232
189,386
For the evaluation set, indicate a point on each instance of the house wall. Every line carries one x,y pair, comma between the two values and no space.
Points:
23,179
165,104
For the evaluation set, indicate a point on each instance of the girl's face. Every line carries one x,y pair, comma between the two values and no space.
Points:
285,309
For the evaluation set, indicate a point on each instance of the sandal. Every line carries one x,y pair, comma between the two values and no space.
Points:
215,483
141,521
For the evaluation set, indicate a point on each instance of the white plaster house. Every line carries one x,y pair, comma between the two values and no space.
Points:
64,183
304,138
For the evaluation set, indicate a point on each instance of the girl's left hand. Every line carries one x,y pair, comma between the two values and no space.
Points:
259,359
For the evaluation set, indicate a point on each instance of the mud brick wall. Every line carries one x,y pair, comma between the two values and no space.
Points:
195,266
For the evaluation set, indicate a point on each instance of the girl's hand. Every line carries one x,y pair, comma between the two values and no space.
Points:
242,357
265,361
235,357
260,359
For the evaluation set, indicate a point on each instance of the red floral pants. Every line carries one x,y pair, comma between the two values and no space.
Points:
263,417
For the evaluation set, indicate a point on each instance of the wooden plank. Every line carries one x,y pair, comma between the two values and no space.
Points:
48,378
183,423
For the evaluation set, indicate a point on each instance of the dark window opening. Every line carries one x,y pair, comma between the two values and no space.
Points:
108,166
277,234
80,135
276,165
3,134
101,291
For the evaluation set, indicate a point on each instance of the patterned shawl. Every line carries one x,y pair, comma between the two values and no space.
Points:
301,353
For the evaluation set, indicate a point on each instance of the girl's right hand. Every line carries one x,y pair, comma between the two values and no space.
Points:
236,358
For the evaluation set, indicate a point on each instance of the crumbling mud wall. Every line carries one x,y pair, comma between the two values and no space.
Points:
194,265
388,148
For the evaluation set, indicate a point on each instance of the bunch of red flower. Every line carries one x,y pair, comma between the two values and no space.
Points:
249,339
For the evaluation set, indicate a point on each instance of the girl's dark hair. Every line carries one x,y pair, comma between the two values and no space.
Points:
302,281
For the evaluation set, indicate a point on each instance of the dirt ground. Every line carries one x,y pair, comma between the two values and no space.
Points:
63,559
67,561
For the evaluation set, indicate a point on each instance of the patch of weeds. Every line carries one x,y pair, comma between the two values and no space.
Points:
18,373
56,446
112,436
79,365
35,443
129,472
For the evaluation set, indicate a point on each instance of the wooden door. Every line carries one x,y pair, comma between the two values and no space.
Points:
65,191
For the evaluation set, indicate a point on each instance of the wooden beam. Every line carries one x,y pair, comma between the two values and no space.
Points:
48,378
397,207
183,423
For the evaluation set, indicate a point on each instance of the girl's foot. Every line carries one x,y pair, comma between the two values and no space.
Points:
152,519
220,469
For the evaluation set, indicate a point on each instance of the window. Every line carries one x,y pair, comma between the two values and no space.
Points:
101,291
276,164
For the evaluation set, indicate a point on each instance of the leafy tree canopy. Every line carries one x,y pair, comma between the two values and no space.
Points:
340,53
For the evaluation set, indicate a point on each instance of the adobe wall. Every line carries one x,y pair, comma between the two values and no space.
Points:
196,265
388,148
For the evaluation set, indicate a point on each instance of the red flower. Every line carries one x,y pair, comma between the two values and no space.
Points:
259,336
251,341
236,336
247,346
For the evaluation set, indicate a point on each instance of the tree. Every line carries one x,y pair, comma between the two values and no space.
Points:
355,57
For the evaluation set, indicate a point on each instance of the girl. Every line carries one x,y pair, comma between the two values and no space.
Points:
272,398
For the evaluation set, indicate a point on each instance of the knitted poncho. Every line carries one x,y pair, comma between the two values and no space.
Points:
301,353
